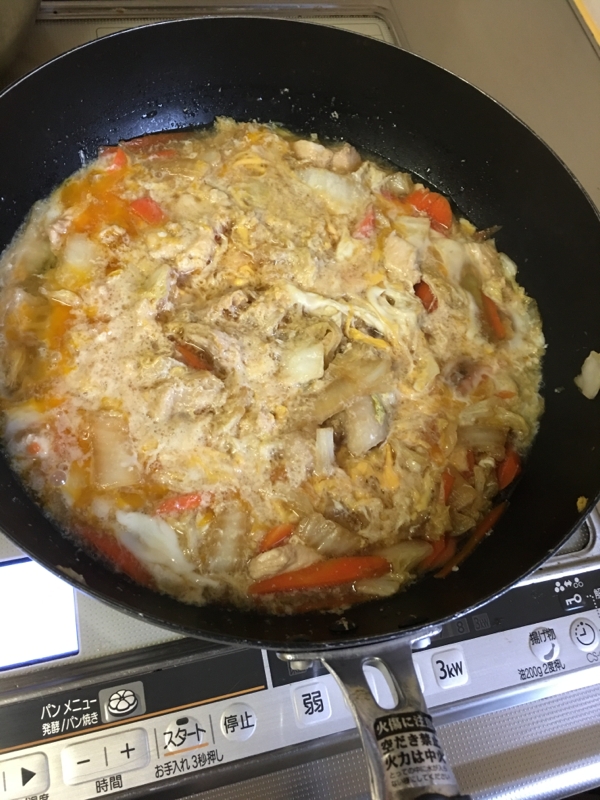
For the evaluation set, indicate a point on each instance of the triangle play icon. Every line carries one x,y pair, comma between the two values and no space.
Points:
26,776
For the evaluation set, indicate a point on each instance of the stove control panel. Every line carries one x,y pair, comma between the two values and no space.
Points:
510,650
218,706
228,719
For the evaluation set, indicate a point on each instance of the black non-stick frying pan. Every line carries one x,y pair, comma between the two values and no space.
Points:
427,122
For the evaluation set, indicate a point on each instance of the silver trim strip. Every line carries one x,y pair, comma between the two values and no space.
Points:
498,700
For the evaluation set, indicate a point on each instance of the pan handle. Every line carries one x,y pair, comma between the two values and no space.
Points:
403,752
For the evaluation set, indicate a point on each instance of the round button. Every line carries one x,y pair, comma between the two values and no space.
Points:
543,644
584,635
122,702
238,722
184,732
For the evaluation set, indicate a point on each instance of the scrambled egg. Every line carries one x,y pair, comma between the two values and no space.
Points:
246,367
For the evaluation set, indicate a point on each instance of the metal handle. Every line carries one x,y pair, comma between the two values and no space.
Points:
403,752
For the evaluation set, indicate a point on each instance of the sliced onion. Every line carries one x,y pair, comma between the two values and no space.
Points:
365,425
324,452
588,382
114,463
461,523
478,411
327,537
462,494
64,297
265,565
398,184
282,559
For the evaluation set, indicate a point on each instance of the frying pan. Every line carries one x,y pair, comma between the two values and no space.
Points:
447,134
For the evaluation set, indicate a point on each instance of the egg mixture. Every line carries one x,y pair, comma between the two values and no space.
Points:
247,367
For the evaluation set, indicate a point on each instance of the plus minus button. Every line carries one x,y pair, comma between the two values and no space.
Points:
128,750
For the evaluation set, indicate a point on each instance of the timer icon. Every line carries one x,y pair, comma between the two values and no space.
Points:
122,702
584,635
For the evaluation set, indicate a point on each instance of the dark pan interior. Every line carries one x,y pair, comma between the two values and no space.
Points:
425,120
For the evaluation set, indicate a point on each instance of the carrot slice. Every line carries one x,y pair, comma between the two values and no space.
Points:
180,503
324,574
480,530
119,159
431,559
509,468
426,296
447,484
191,357
447,553
149,210
492,315
276,536
505,394
117,554
435,205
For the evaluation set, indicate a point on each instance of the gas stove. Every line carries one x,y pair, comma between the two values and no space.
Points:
94,702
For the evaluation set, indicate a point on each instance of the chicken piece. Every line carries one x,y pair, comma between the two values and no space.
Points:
57,232
226,306
199,254
346,159
281,559
313,153
224,350
400,261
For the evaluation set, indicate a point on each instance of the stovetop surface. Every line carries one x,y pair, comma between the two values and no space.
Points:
524,726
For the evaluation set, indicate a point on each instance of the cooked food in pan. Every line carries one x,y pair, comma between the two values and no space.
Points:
251,368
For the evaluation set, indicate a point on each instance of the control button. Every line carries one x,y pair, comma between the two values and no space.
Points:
574,601
120,702
543,644
24,776
311,703
450,668
119,752
238,722
184,733
584,635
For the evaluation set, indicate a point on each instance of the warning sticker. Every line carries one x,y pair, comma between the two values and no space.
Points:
411,751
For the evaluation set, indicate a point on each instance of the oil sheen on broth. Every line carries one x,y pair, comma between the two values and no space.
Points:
245,367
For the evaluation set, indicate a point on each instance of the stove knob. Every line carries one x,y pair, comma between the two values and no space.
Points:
544,644
584,635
